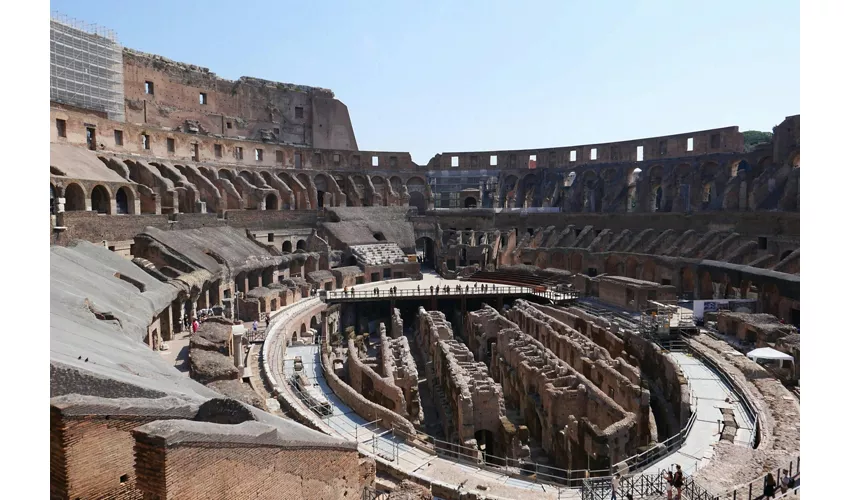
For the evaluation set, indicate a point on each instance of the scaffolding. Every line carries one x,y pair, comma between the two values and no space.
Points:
86,66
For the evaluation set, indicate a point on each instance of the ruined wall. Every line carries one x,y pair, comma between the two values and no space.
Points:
248,107
227,468
618,379
474,401
396,362
91,445
722,140
566,412
362,406
374,387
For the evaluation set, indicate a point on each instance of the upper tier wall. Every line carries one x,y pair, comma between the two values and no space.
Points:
248,107
720,140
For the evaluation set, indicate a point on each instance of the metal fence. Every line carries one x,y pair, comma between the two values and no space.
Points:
641,486
448,292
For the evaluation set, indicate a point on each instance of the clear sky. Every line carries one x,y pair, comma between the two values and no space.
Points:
434,76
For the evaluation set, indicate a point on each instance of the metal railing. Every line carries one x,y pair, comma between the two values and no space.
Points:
643,485
448,292
509,466
753,489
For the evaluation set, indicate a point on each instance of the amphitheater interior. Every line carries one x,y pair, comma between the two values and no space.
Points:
491,324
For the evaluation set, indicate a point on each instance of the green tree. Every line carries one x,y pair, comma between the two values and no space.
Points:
753,138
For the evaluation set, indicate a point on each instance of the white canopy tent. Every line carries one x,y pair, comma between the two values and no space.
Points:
770,354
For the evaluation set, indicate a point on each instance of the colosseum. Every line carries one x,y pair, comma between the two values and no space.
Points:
244,304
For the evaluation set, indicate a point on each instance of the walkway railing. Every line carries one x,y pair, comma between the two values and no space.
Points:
447,292
753,490
641,486
509,466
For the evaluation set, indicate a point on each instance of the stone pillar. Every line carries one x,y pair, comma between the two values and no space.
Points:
238,355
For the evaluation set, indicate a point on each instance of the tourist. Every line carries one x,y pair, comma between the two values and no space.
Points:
678,481
668,478
432,289
195,325
769,486
254,327
785,482
615,484
267,322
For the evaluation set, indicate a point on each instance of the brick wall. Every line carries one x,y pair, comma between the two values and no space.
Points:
231,471
89,456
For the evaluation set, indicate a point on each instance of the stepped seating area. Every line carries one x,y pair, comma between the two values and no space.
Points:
378,254
519,276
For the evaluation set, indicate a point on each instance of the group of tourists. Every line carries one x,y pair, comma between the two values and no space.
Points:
676,481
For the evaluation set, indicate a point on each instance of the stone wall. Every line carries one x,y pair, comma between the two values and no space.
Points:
565,411
396,362
91,446
238,461
362,406
474,402
374,387
614,376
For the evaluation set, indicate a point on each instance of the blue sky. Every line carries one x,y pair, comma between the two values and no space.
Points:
435,76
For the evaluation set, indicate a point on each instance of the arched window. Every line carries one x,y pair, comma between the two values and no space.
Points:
75,198
271,202
122,201
287,247
470,202
301,245
100,200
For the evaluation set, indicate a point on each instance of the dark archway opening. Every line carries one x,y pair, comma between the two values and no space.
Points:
287,247
122,201
271,202
470,202
659,195
320,199
75,198
379,236
100,200
425,252
301,245
417,200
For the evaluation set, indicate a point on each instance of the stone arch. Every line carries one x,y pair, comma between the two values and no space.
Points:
613,265
101,201
125,201
706,286
287,247
592,192
322,187
225,174
683,175
509,191
301,245
529,185
75,197
470,202
655,181
416,183
632,267
396,183
648,271
558,260
709,173
271,202
575,262
417,199
688,281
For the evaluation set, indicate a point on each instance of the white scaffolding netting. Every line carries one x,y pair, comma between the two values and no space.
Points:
86,66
